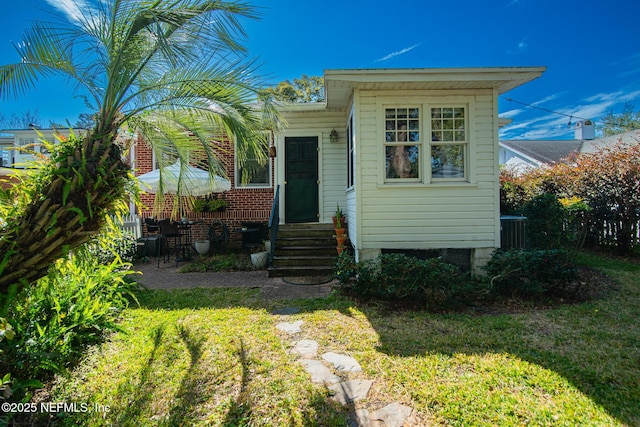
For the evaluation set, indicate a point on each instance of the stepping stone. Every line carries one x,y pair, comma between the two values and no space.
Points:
290,327
307,349
320,374
350,391
342,362
392,415
287,311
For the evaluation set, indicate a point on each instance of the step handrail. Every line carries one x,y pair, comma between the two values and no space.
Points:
274,223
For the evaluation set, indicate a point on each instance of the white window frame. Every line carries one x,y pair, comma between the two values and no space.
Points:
394,143
236,169
466,143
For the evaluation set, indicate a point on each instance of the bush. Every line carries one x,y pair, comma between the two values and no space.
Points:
531,273
397,277
545,222
54,319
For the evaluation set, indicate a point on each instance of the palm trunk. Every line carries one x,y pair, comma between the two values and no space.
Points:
74,202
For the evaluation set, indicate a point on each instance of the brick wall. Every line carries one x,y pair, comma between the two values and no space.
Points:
243,204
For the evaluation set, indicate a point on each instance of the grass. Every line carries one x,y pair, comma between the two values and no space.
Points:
215,357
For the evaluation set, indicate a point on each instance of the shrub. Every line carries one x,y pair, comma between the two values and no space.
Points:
58,316
531,273
545,222
397,277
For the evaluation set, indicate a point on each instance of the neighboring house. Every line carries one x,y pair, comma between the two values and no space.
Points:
410,155
525,154
19,148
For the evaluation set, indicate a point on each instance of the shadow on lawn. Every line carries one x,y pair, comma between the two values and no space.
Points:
594,345
201,387
582,342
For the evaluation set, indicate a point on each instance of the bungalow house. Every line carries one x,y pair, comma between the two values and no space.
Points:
409,155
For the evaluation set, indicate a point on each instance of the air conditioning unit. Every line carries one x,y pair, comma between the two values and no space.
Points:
513,232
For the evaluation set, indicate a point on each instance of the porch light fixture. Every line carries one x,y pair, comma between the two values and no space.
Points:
333,136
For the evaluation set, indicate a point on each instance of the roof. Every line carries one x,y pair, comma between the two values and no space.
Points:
544,151
339,83
630,137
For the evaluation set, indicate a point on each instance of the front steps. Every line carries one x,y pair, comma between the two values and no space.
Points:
307,249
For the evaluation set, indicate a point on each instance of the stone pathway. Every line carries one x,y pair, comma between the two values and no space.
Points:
332,370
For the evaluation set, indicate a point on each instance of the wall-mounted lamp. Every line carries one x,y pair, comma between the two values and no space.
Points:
333,136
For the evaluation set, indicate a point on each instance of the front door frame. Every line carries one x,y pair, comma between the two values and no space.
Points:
280,161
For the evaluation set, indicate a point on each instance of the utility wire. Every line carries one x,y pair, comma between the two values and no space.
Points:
571,116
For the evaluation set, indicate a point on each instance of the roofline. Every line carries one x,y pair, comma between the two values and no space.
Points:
520,153
339,72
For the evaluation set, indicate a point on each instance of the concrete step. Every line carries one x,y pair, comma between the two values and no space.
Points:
300,241
289,251
307,249
299,271
302,261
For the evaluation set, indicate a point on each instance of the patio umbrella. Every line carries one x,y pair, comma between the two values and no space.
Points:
192,181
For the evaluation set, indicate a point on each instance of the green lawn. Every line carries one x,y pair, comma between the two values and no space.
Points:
215,357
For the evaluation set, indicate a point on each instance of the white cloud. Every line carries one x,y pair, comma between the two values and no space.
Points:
397,53
560,123
511,113
78,11
520,47
545,99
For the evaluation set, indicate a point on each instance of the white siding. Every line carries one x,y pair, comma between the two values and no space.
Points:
426,215
332,161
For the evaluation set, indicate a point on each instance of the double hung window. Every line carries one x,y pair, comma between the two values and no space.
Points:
402,147
448,143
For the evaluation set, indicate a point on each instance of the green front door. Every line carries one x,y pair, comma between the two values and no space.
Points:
301,179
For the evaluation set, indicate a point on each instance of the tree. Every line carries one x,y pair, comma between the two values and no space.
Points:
625,121
170,70
85,121
303,89
20,121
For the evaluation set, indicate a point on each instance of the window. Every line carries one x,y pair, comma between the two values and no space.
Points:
351,180
26,145
449,143
255,171
402,143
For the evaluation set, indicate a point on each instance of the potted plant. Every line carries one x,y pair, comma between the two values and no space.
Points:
216,205
341,248
339,220
199,205
341,239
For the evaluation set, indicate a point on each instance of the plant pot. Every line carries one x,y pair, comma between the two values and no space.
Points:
341,240
340,249
202,247
343,221
340,231
259,260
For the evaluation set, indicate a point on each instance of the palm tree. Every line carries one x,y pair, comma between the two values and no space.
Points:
171,70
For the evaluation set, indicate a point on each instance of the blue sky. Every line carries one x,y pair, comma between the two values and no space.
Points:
591,50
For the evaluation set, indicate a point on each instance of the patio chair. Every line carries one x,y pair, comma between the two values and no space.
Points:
171,240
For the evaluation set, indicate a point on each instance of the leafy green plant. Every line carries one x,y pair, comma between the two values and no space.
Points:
545,222
216,204
397,277
73,306
531,273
